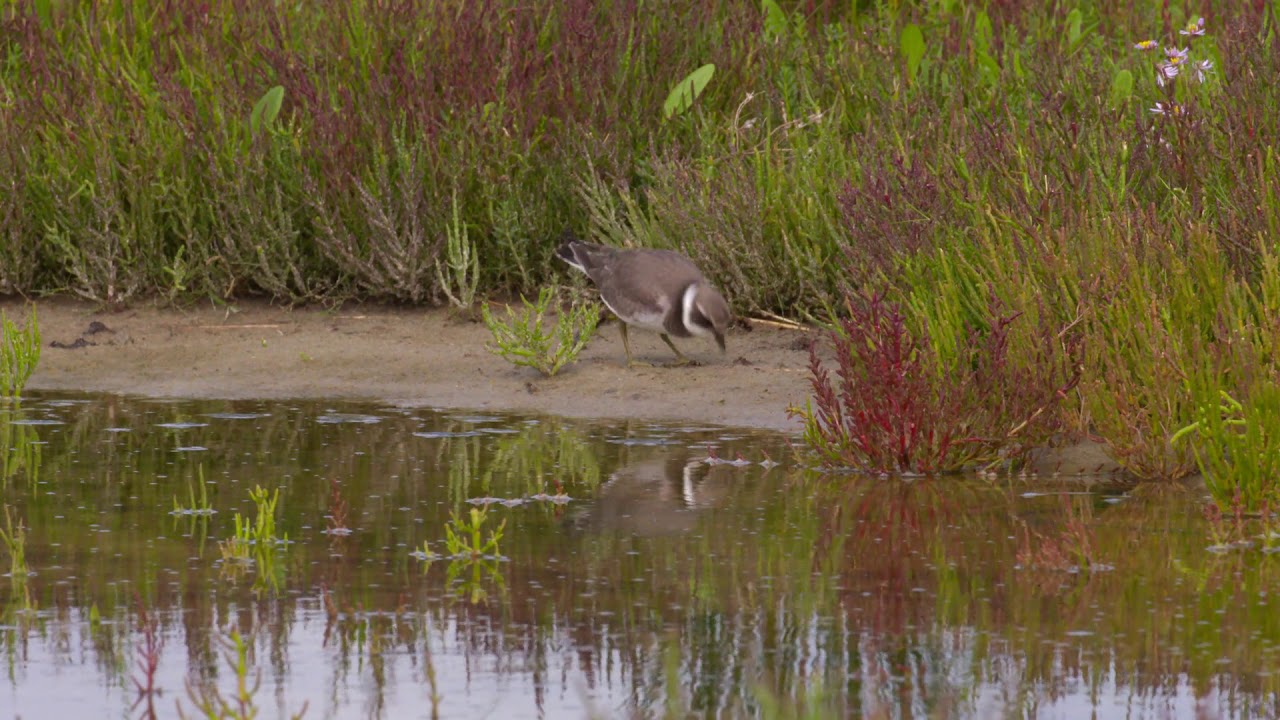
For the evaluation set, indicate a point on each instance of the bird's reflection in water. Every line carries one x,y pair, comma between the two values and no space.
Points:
657,496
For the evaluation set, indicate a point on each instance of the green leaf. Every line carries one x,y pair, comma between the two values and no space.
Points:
266,109
988,69
1016,55
687,90
1074,20
982,32
44,13
1121,87
775,20
911,42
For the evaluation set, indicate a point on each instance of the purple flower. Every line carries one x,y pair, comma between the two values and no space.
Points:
1165,73
1146,45
1176,56
1167,109
1202,69
1194,29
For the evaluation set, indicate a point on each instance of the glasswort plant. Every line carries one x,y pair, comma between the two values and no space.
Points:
521,340
19,353
897,407
195,505
258,538
1235,446
459,274
464,538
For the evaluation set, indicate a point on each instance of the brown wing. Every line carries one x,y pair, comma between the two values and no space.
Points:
640,282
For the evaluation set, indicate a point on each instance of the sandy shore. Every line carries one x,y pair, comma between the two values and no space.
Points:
408,357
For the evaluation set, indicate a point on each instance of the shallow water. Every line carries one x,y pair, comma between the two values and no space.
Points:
635,578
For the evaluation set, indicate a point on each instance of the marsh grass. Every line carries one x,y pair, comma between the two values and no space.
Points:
937,153
256,542
197,503
1235,439
459,273
522,339
137,165
899,405
19,354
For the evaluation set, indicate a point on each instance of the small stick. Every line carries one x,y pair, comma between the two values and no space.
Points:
778,321
236,327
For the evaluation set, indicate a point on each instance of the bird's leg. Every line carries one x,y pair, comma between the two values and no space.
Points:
681,360
626,345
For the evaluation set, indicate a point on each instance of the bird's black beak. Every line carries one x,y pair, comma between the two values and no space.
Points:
720,341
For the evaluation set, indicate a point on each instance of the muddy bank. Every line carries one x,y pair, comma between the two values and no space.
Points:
408,357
